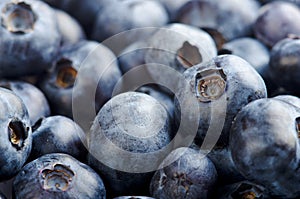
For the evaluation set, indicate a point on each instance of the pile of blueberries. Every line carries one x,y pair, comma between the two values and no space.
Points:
218,114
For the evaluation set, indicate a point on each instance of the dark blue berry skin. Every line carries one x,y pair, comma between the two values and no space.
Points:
58,84
270,31
70,30
227,171
191,175
136,123
225,79
58,176
132,56
16,136
232,19
84,12
284,67
243,189
133,197
26,47
29,94
144,13
264,146
58,134
251,50
296,2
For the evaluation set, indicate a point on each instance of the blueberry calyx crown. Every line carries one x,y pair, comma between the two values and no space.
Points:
210,84
17,134
188,55
246,191
66,74
57,179
18,18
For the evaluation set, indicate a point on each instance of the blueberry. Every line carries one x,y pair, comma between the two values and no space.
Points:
132,56
180,47
29,94
172,7
231,18
135,123
26,47
58,134
264,145
191,175
222,87
69,28
58,84
83,11
252,50
242,190
56,176
227,171
284,67
270,31
16,136
289,99
144,13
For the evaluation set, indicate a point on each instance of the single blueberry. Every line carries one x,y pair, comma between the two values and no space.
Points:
16,136
58,176
185,173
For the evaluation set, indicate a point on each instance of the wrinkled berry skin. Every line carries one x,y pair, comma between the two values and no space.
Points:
265,147
58,176
26,47
251,50
29,94
225,80
227,171
191,175
16,136
270,31
70,30
284,67
144,13
58,134
136,123
243,189
231,18
96,59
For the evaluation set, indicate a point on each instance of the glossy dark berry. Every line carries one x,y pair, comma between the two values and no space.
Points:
264,143
230,19
34,100
16,136
222,87
58,176
26,47
135,123
96,59
70,30
144,13
58,134
270,31
133,197
284,67
186,173
251,50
